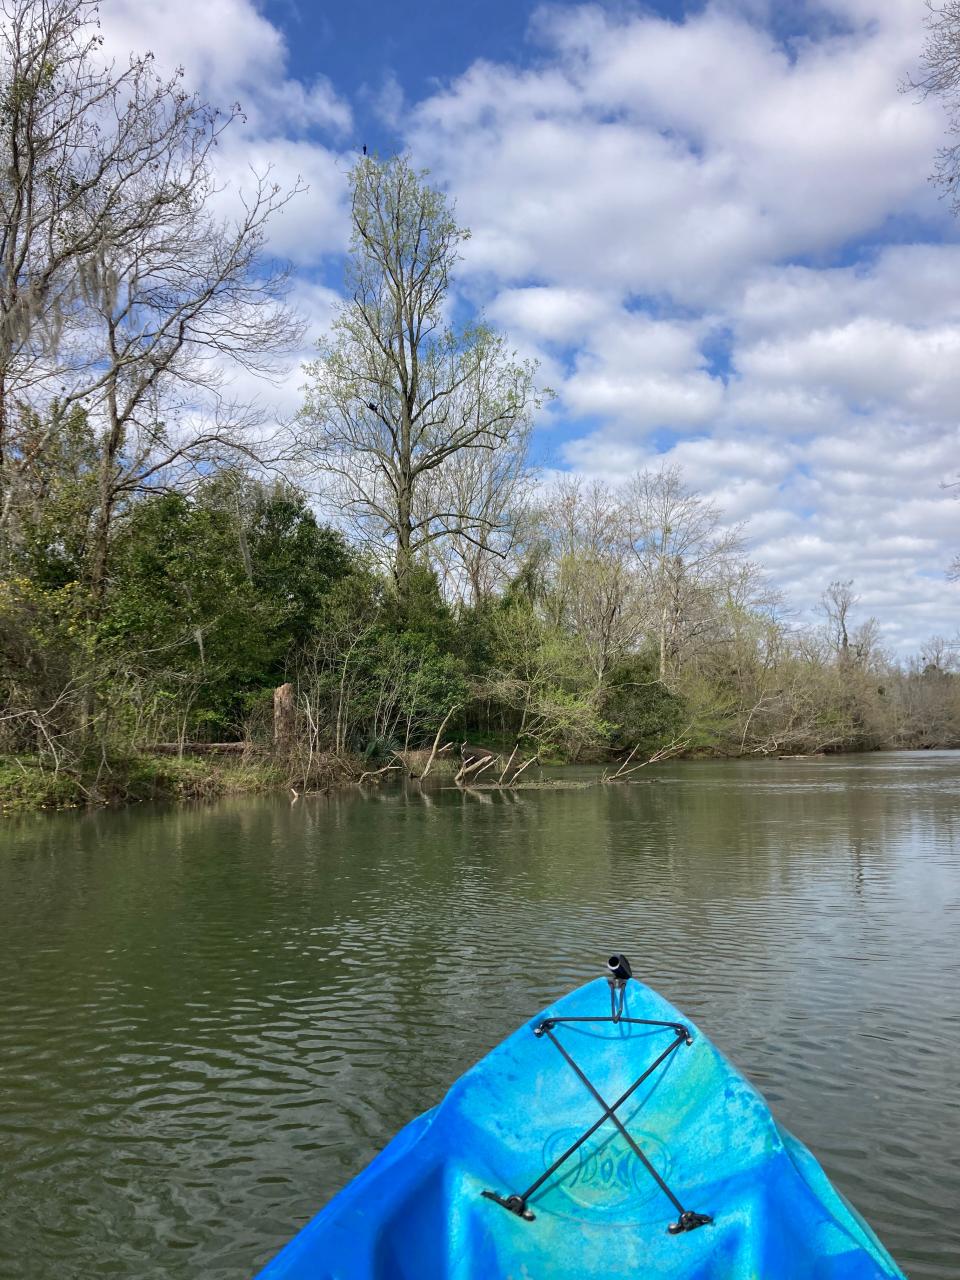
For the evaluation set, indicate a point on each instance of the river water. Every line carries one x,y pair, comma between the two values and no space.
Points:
210,1018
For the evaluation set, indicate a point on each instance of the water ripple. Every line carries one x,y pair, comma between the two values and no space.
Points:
211,1018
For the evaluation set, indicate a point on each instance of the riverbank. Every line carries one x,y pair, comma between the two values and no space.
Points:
26,786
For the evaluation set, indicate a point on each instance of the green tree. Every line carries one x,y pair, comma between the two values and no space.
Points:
210,596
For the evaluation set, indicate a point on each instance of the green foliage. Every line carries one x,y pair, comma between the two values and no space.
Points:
537,678
422,610
294,561
56,497
45,663
26,784
368,683
209,597
641,708
215,598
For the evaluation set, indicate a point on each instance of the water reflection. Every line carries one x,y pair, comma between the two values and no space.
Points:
196,1052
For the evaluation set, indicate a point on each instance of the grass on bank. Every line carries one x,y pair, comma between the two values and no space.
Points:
25,785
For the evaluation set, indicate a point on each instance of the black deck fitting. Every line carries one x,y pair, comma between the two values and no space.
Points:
515,1204
689,1221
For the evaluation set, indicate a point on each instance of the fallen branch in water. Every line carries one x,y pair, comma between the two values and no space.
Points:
671,749
376,773
433,752
525,765
476,768
506,769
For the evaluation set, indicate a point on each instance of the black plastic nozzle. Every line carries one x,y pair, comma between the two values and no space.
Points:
619,967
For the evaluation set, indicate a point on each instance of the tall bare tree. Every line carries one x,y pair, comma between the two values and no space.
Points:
120,291
851,645
189,299
398,393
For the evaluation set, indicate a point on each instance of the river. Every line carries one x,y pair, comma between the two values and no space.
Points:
211,1017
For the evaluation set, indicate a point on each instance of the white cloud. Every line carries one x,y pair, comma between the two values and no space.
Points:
671,157
562,315
232,52
870,363
662,210
314,223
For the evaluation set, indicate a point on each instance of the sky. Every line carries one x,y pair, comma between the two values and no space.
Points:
712,224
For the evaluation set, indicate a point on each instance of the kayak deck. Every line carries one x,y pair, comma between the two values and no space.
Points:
459,1194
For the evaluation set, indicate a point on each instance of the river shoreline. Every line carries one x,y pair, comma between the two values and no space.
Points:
26,787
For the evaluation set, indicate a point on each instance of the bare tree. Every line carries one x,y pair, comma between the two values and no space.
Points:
77,139
851,645
596,590
119,290
496,487
940,77
190,299
836,603
687,559
397,393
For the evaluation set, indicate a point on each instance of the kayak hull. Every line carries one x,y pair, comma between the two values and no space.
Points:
418,1211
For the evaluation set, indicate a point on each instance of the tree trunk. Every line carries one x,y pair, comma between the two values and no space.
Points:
403,562
284,719
663,645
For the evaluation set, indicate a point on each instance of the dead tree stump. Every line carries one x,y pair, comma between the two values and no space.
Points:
284,719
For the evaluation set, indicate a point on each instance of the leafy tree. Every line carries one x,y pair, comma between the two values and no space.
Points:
640,708
121,288
212,597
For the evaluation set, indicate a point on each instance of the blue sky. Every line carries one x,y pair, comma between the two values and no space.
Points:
712,224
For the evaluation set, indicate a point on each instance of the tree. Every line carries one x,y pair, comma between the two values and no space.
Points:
851,646
292,561
211,598
120,291
57,497
928,697
687,559
595,589
398,395
496,486
538,677
940,77
366,685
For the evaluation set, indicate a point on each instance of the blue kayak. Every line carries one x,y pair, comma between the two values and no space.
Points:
605,1138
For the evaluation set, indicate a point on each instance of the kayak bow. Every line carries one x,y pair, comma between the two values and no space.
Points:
606,1138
